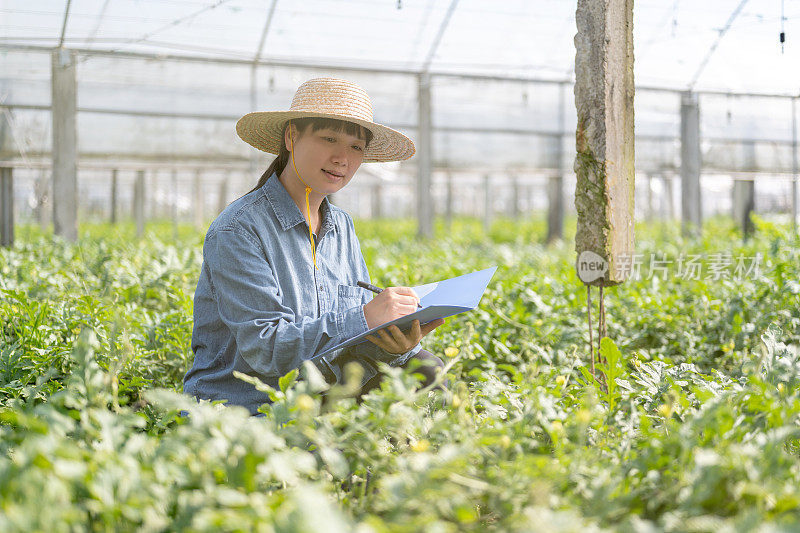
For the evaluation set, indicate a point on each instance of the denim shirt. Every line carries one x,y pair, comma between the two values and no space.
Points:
260,308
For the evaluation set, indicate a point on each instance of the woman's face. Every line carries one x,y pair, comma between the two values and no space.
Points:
326,159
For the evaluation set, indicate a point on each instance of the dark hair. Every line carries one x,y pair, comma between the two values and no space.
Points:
316,123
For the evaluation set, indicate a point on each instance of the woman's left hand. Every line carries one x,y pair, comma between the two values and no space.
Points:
397,342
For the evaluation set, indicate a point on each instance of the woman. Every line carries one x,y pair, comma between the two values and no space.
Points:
281,263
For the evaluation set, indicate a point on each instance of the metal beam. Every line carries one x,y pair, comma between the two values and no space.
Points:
442,28
64,25
327,67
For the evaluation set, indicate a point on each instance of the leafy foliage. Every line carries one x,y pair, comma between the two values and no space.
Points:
693,428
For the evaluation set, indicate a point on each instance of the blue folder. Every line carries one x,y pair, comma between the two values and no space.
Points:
439,300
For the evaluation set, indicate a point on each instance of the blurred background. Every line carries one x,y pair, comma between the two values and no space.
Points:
155,89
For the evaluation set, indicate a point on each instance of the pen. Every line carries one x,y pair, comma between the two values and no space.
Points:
376,290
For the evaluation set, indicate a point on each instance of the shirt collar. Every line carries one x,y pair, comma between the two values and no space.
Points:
289,215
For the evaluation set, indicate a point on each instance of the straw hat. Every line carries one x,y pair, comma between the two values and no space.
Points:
331,98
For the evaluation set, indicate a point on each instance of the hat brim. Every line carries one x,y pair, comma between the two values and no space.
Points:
264,130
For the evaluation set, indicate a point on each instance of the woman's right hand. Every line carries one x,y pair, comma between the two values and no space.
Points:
391,303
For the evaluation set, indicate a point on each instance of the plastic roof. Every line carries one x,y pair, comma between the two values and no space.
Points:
500,123
532,38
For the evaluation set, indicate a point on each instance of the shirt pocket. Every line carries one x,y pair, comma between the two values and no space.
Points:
348,297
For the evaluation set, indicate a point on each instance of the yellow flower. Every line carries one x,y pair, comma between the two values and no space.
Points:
728,347
451,351
456,400
305,403
421,445
561,381
665,410
781,387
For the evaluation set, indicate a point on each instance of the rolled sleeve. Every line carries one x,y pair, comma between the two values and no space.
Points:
271,339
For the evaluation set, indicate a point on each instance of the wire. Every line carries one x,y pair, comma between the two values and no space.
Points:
722,33
439,34
97,26
175,22
783,33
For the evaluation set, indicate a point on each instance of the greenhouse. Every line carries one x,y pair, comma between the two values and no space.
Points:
154,272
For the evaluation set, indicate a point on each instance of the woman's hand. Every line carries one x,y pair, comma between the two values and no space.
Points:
389,304
392,303
399,342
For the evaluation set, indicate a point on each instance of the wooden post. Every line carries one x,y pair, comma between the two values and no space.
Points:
138,203
691,202
199,202
6,206
604,164
424,157
65,144
114,188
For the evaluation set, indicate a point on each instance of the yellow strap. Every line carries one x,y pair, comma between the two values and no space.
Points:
308,205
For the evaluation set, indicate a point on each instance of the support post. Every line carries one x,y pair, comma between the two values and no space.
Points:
377,201
41,191
604,163
555,186
6,206
555,208
199,203
488,210
424,157
794,166
65,144
515,199
138,203
668,189
691,202
449,200
744,191
743,205
174,204
114,188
